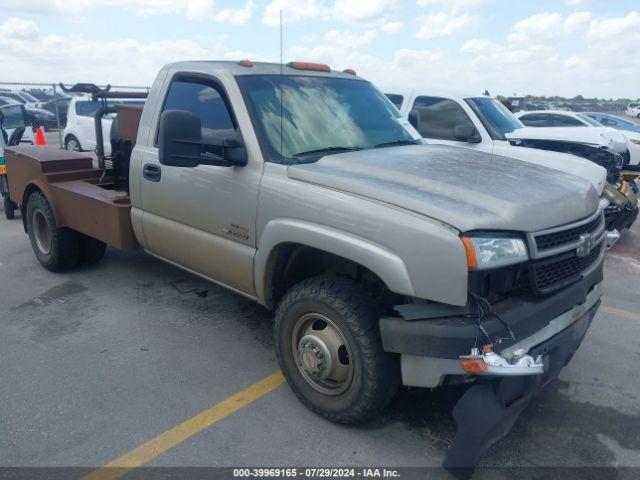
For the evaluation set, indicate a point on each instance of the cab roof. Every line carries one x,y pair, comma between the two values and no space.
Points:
236,68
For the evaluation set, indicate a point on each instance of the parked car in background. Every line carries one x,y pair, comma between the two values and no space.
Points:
614,121
480,123
79,133
483,123
630,140
633,109
62,108
21,97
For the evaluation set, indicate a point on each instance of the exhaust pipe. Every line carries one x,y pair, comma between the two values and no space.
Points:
611,238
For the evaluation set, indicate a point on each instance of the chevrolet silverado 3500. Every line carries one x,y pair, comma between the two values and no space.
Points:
387,261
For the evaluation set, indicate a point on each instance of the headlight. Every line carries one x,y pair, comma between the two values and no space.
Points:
637,142
493,252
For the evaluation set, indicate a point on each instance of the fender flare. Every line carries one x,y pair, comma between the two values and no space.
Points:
380,260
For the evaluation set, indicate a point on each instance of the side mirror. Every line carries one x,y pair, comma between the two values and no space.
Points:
181,144
466,133
414,118
13,116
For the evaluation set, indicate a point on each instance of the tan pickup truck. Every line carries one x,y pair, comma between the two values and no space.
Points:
387,261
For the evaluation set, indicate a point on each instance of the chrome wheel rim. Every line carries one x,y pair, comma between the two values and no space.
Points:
322,354
41,232
73,145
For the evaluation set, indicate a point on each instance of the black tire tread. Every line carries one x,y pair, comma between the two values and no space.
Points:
361,313
65,242
9,208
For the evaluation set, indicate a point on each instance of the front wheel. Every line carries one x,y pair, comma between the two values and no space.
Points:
9,208
329,348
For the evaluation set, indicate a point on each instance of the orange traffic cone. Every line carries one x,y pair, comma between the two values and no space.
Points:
40,138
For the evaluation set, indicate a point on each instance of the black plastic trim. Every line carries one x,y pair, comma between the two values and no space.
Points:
452,336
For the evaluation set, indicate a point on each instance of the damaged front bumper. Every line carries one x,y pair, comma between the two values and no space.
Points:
434,341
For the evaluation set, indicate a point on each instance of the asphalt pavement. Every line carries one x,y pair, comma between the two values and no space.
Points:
98,361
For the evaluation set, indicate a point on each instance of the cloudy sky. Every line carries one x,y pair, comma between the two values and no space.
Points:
565,47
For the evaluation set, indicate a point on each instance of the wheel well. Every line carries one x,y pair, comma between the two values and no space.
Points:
292,263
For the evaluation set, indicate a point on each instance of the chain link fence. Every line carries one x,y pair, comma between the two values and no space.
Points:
46,104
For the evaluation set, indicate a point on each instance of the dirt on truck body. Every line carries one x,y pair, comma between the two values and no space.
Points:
386,263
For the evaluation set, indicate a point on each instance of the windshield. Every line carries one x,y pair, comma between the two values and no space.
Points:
320,116
589,120
495,117
28,97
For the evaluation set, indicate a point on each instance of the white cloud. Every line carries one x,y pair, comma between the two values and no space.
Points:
361,10
443,24
547,26
293,11
19,28
453,3
200,10
573,3
238,16
391,27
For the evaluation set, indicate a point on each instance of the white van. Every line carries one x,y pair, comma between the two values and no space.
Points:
80,133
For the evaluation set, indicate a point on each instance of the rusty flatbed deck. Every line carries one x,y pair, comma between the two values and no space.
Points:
80,198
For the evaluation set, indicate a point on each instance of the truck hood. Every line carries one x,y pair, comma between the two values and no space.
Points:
597,136
564,162
466,189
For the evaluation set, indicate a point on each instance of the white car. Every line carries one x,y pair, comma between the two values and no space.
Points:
633,109
481,123
565,123
80,133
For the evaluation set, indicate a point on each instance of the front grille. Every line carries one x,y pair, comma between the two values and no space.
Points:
556,239
558,271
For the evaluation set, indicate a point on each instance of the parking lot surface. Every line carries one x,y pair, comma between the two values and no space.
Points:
96,362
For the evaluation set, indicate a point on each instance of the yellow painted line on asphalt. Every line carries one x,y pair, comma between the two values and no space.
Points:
187,429
620,313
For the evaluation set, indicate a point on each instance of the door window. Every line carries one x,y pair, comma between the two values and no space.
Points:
395,99
204,100
537,120
563,121
439,117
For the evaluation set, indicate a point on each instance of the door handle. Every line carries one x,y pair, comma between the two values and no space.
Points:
152,172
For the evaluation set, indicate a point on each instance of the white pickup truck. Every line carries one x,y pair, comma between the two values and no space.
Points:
482,123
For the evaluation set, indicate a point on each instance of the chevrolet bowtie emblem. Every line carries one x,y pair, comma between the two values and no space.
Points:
585,246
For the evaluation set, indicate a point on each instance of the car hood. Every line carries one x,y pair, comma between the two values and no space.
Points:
565,162
598,136
466,189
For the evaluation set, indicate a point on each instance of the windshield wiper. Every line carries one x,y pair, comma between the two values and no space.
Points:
328,150
396,143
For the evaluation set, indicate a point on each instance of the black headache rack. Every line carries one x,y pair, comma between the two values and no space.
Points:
118,163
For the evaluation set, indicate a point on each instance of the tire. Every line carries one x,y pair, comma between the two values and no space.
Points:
9,208
72,143
91,250
57,249
345,306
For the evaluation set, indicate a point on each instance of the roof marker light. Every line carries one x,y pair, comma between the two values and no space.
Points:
246,63
316,67
350,71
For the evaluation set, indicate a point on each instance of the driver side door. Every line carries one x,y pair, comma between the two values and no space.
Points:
202,218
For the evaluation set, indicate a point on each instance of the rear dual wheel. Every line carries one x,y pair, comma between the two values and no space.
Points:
58,248
329,348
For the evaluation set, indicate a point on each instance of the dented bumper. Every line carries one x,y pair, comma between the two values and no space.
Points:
489,408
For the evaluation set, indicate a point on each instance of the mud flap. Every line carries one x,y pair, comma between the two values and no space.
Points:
487,411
